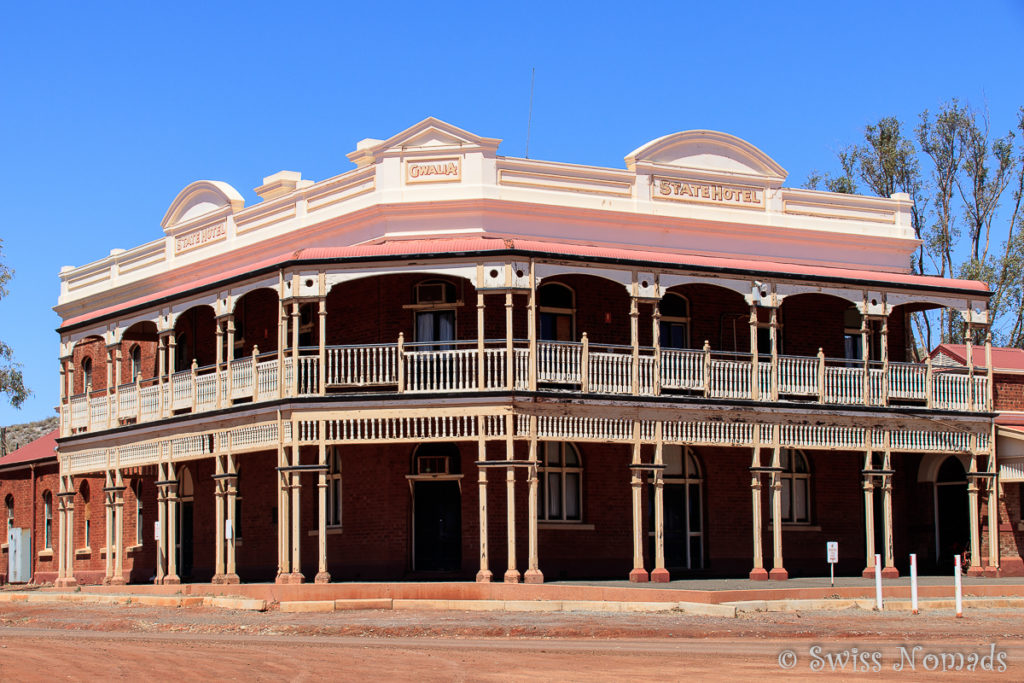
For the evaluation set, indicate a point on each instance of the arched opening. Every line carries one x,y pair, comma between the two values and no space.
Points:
718,315
88,362
437,508
255,320
952,526
813,320
195,338
186,523
683,504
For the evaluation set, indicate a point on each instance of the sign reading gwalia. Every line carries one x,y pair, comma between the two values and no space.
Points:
197,238
709,193
433,170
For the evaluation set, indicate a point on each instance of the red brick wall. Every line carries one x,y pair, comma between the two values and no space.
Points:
1008,392
144,335
94,349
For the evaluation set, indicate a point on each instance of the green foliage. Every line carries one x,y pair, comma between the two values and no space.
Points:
12,382
957,214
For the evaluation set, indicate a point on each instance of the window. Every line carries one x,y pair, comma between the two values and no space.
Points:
437,323
309,334
137,490
333,487
182,352
86,366
796,485
9,504
557,308
675,322
560,475
136,359
852,340
47,519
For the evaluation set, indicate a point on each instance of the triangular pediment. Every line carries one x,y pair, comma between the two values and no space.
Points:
429,136
707,152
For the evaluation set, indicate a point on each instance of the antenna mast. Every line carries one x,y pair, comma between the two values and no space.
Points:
529,120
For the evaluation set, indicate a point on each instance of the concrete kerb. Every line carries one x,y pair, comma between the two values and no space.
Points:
899,605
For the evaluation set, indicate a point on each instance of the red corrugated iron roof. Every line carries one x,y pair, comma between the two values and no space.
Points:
449,246
1002,358
40,449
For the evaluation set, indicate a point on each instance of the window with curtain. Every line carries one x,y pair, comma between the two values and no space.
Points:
560,475
796,487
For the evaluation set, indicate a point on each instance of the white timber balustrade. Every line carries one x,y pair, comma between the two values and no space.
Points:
454,366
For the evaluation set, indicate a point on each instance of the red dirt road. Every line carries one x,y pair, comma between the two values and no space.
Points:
86,642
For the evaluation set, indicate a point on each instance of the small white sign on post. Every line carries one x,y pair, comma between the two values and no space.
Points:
832,554
156,531
228,533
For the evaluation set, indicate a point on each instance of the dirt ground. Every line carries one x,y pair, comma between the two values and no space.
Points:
90,642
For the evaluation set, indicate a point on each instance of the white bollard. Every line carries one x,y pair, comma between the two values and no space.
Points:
959,587
878,582
913,583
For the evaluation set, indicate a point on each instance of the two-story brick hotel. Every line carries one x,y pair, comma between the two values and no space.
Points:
448,363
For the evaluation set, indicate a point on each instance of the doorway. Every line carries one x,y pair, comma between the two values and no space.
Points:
952,525
683,509
186,524
437,509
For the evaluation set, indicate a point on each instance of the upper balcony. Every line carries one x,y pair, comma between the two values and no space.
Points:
580,368
578,330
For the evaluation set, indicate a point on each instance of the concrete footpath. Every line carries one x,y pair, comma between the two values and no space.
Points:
718,598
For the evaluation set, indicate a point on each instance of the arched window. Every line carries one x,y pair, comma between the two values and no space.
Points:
47,519
135,353
435,312
556,304
137,490
560,479
86,367
86,522
675,321
9,505
333,487
796,486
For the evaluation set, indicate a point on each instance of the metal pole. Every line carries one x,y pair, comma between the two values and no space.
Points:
878,582
913,583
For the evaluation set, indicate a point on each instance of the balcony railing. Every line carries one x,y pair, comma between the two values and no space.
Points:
466,366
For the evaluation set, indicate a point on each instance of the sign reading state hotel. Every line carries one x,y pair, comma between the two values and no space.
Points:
198,238
709,193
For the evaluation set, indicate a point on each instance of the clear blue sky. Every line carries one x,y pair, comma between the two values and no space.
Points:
107,110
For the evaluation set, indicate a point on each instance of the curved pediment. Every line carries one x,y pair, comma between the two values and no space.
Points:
707,151
199,199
